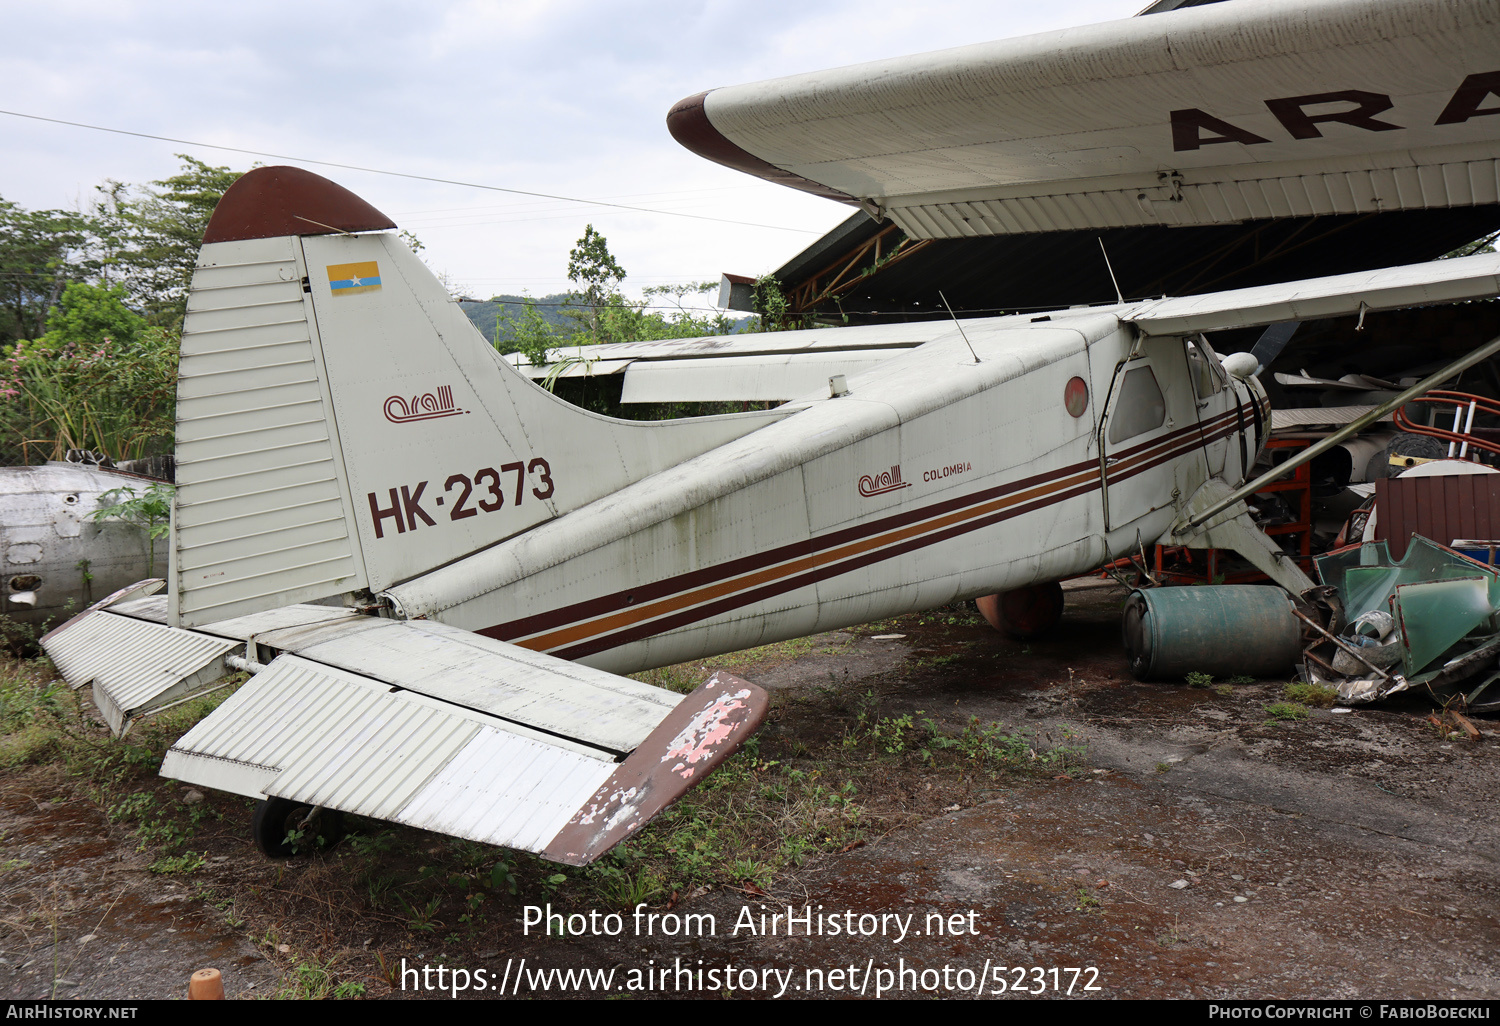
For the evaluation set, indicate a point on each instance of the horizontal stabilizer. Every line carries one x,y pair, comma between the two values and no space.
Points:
526,688
328,737
413,721
135,665
138,665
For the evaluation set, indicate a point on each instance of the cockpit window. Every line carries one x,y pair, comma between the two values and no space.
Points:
1140,407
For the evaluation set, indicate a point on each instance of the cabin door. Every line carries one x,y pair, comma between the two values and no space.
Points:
1149,426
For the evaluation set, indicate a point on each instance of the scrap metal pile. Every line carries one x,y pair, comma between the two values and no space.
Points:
1428,620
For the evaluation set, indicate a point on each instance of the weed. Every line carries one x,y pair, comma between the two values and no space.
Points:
421,918
1288,711
1164,767
377,887
1198,680
187,862
618,887
308,981
1224,690
372,844
1087,902
890,732
1317,695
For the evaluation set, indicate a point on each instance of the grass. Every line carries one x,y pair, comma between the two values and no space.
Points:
827,774
1286,712
1320,696
42,722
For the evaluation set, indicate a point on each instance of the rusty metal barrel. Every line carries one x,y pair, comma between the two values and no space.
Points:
1223,630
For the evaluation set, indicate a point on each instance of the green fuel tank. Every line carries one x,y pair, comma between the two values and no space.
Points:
1223,630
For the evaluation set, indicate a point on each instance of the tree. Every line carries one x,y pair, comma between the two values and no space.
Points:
40,252
593,269
150,241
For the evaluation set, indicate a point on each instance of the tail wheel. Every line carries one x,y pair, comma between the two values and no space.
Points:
278,830
1024,613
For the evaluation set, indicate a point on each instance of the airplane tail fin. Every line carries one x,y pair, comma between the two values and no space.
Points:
341,424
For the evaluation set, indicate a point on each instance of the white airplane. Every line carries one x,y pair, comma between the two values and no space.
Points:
497,558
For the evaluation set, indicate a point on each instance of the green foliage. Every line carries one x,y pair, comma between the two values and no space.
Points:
530,334
150,238
596,275
99,379
771,304
151,511
187,862
314,980
1199,680
1320,696
595,312
1288,711
40,252
90,313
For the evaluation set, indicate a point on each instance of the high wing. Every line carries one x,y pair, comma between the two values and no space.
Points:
1219,113
756,367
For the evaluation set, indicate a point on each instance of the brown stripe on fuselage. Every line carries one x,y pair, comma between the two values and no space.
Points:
793,565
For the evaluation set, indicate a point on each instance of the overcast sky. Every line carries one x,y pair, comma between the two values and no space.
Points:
556,96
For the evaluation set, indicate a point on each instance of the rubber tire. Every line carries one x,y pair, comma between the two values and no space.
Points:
1024,613
274,818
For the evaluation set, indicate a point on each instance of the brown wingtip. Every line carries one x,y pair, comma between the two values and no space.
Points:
690,743
689,124
270,202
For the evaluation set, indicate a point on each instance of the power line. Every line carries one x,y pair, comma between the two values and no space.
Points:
403,174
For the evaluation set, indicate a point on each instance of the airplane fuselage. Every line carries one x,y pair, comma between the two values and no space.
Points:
55,556
1070,442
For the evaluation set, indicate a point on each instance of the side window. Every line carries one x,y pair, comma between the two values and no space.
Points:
1203,368
1140,407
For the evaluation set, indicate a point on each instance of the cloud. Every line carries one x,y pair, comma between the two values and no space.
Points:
558,96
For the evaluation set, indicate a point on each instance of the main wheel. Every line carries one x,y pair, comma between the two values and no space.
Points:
277,830
1024,613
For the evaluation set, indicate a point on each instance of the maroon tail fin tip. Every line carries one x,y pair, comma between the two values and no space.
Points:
269,202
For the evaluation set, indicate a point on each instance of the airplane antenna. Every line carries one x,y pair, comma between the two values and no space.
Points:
320,224
1111,270
960,326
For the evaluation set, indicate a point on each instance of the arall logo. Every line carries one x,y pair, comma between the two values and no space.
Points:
427,406
885,481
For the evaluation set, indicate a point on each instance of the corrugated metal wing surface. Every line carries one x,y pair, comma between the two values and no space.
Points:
259,518
324,736
1410,187
521,686
504,789
134,665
